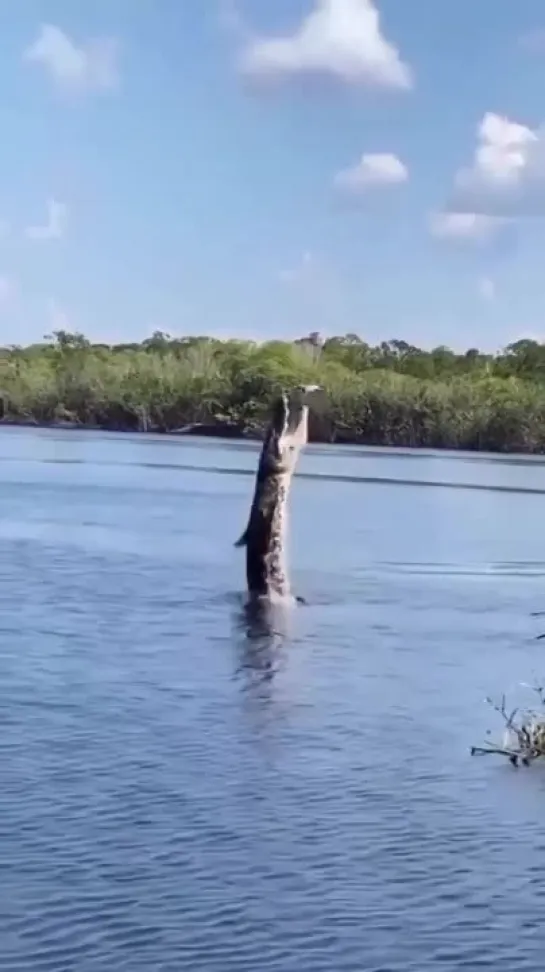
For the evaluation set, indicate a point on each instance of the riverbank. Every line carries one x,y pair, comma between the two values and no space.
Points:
224,431
409,399
214,430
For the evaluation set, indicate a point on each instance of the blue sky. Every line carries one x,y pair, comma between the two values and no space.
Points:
261,169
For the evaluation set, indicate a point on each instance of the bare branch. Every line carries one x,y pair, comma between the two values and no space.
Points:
527,735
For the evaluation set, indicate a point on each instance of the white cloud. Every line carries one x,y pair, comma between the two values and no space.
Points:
91,66
503,151
55,227
507,175
340,38
487,288
465,227
380,169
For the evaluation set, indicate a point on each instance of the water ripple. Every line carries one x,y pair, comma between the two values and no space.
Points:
182,790
162,467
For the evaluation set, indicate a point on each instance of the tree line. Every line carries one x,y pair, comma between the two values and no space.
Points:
387,394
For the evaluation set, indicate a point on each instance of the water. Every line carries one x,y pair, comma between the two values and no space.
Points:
176,794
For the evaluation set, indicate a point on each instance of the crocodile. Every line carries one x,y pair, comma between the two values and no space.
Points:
265,537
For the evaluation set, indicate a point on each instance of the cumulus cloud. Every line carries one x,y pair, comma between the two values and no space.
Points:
91,66
339,38
465,227
507,175
379,169
55,226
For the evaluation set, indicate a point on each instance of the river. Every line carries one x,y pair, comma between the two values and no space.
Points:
179,793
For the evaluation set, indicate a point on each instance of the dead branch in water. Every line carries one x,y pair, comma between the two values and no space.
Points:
524,741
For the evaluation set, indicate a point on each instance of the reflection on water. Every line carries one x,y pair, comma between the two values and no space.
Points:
261,631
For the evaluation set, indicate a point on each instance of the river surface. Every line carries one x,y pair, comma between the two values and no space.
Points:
181,791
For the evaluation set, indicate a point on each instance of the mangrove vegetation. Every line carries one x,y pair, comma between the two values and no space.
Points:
392,394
